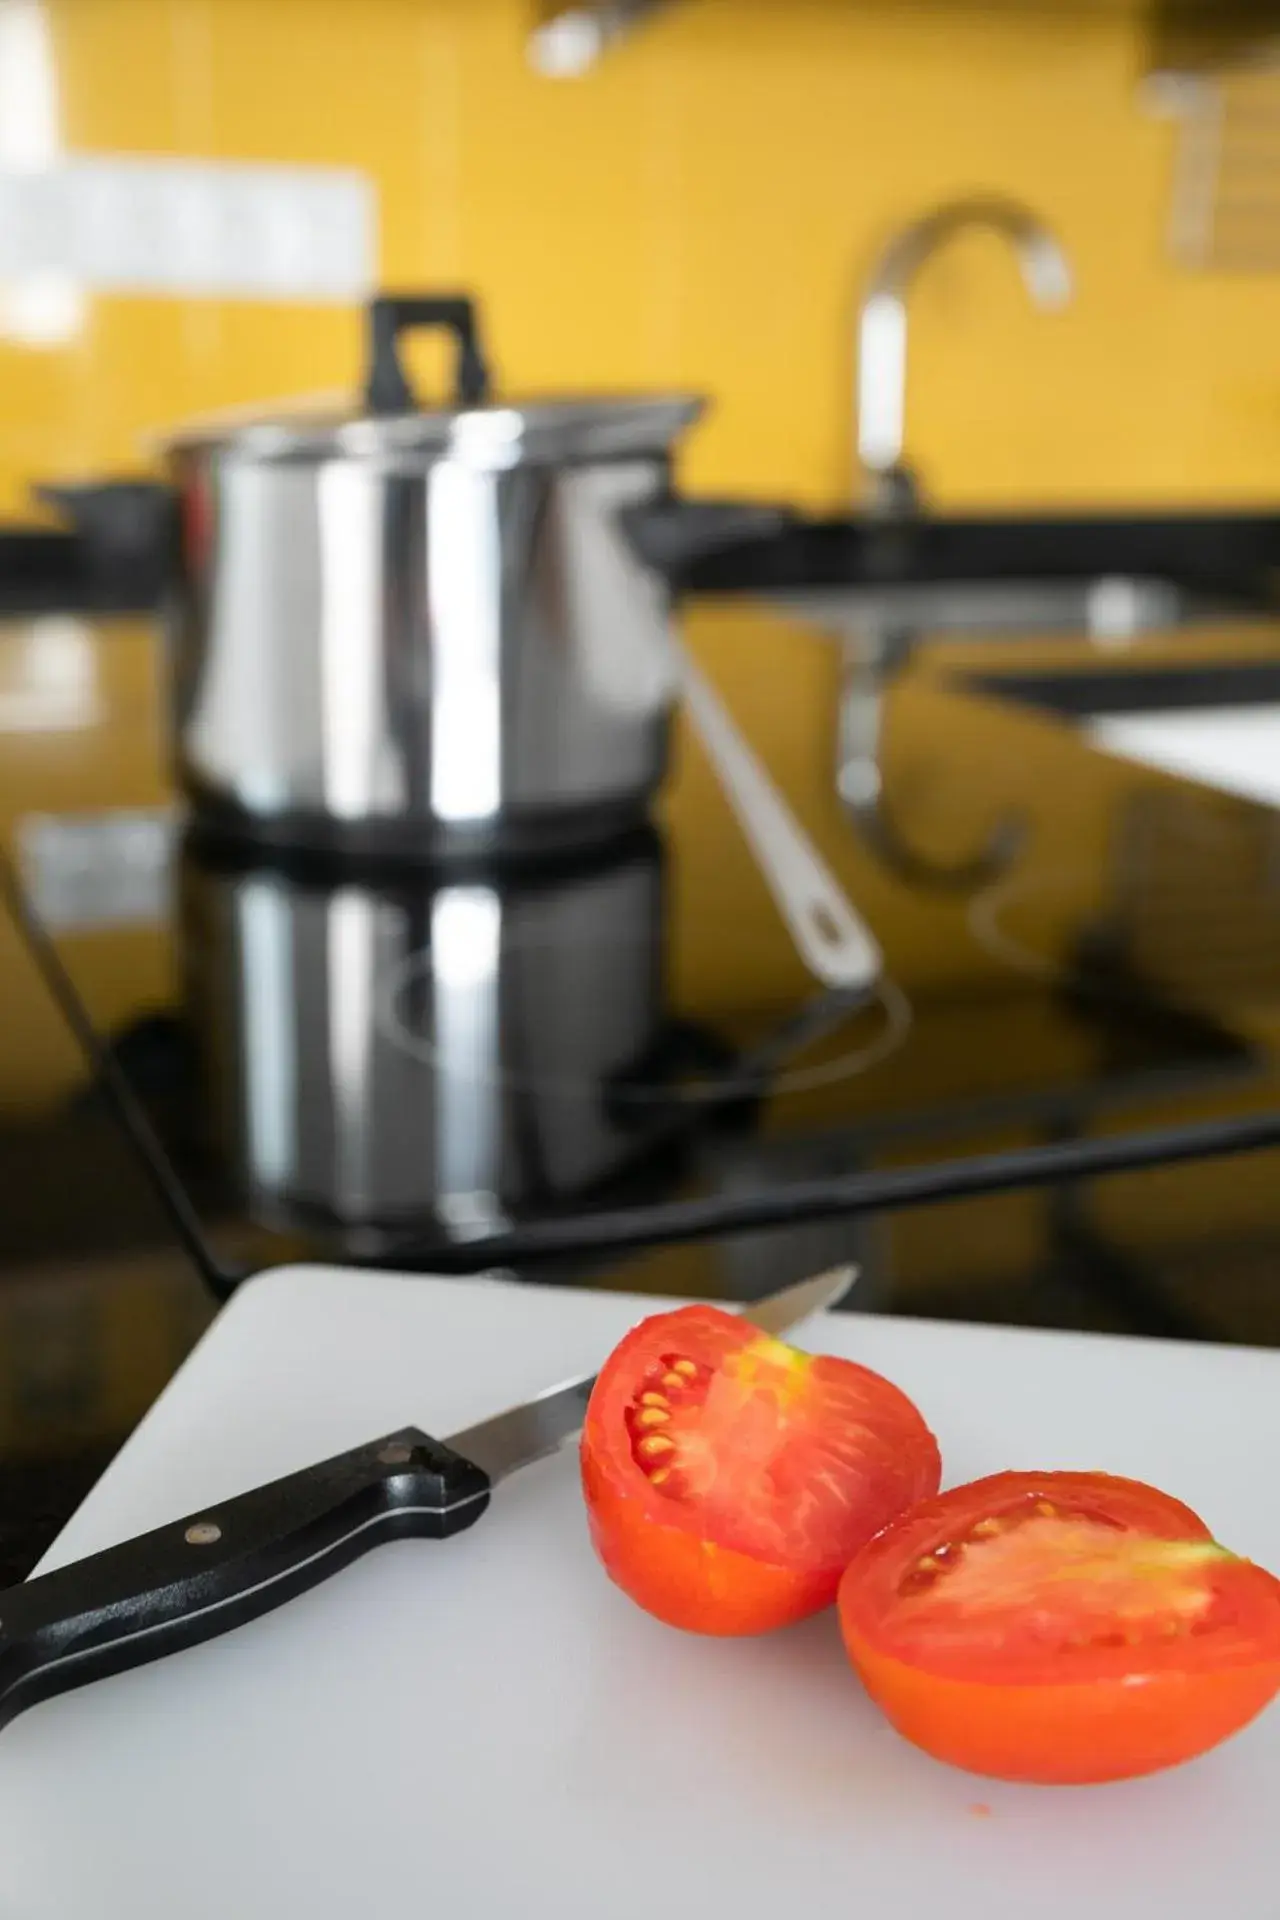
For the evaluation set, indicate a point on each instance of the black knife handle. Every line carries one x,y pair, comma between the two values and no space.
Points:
214,1570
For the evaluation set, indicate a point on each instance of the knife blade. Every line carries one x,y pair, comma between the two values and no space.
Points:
198,1577
514,1439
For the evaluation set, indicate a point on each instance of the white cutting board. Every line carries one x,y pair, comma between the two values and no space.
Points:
486,1728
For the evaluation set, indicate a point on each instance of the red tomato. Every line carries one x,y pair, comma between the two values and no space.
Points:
729,1478
1060,1627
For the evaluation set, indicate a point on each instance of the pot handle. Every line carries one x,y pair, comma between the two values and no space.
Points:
671,533
387,388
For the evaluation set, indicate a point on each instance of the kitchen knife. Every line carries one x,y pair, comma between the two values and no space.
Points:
214,1570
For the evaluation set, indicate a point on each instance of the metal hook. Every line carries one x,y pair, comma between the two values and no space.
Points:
882,835
860,784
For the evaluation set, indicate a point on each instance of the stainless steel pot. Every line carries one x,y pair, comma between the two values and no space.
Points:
420,1055
428,630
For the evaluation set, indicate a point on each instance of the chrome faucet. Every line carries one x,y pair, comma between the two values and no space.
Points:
880,419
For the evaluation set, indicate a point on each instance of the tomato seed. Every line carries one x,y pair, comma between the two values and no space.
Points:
688,1370
669,1481
670,1392
944,1558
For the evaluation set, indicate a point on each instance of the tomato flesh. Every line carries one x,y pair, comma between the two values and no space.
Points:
729,1478
1061,1627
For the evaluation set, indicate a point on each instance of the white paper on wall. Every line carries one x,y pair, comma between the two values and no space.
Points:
133,224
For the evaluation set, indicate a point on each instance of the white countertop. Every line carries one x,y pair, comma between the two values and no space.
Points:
1235,749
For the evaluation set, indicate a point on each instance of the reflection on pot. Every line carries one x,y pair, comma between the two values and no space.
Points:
412,1053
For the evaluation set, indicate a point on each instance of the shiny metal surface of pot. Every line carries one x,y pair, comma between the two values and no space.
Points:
429,1056
424,630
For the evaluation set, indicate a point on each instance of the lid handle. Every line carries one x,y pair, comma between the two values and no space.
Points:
387,389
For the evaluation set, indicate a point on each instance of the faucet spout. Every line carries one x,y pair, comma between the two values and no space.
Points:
882,319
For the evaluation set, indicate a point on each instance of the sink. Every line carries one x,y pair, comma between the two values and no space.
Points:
1217,723
877,583
1114,574
1110,607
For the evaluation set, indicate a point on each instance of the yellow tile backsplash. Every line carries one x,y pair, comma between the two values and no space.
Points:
699,211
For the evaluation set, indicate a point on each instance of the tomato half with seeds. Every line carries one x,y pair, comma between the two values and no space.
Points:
1061,1627
729,1478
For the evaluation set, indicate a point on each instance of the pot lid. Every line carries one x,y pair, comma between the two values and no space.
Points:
477,430
495,435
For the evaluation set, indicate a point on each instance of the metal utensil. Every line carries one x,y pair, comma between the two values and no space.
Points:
834,942
200,1576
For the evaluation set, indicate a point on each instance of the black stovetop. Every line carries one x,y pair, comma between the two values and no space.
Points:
443,1071
617,1073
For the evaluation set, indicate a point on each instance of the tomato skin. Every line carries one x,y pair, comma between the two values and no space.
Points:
710,1568
1071,1735
1065,1719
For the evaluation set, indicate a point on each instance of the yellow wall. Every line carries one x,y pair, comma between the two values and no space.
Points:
698,212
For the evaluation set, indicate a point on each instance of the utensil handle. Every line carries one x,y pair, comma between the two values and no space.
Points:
834,942
216,1569
387,388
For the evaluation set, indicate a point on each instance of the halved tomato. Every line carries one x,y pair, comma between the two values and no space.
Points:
730,1478
1061,1627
